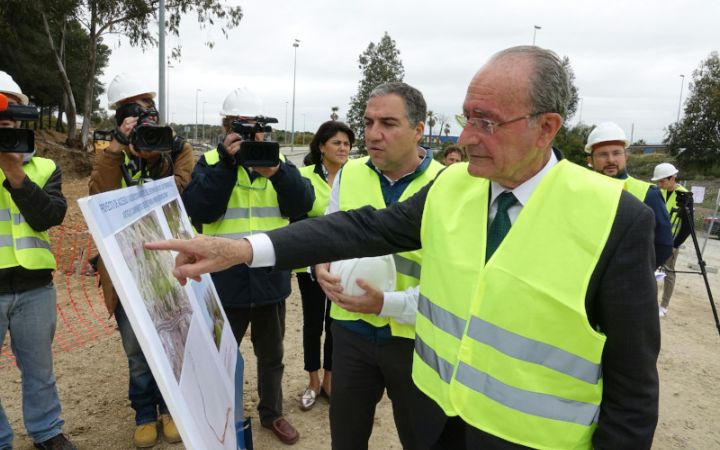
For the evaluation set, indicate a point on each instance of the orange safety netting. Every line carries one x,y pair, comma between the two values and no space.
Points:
82,317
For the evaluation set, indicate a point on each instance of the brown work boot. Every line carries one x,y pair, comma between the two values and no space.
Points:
146,435
169,429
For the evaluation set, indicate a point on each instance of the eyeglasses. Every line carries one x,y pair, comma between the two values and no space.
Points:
489,127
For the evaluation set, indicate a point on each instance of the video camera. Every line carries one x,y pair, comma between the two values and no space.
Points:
256,153
17,140
683,198
147,135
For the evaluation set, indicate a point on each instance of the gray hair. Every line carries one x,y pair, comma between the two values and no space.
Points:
549,86
415,105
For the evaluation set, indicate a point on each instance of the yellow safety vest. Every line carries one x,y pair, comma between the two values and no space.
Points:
506,344
20,245
359,186
322,197
252,208
637,188
670,204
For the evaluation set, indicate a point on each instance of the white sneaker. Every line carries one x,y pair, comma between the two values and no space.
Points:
662,312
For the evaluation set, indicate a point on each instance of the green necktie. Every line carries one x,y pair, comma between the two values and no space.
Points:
500,224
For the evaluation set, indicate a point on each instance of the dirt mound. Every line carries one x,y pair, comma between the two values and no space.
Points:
73,162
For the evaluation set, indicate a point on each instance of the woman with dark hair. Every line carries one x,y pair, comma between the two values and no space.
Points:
329,151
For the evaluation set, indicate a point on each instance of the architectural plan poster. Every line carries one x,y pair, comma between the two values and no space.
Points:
183,331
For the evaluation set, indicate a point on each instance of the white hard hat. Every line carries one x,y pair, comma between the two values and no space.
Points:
605,132
242,102
663,170
378,271
8,86
125,86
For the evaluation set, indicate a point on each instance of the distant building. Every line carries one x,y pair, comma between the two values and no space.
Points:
647,149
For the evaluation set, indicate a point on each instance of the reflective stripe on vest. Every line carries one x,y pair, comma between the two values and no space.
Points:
360,186
20,245
637,188
515,373
252,208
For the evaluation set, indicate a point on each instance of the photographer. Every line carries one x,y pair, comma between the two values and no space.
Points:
665,175
234,201
116,167
31,202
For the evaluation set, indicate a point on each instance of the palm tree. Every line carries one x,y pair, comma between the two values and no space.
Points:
431,120
447,130
334,115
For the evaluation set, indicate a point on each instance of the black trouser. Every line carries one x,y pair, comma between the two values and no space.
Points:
316,313
266,333
362,370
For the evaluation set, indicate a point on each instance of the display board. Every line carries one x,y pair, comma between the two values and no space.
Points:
183,330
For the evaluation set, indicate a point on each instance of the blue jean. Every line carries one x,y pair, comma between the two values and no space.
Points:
143,392
31,316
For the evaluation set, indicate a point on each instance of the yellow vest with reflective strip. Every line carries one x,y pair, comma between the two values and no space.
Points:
20,245
322,197
252,208
637,188
506,344
359,186
670,204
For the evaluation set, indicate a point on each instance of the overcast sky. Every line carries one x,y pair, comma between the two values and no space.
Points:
627,55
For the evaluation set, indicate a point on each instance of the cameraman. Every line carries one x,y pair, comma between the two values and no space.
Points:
235,201
125,93
665,175
31,201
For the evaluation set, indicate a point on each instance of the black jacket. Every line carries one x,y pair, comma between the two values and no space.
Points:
206,198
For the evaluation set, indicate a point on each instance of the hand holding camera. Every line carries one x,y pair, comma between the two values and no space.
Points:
138,129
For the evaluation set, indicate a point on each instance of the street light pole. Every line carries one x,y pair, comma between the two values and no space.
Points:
162,102
286,105
197,91
536,27
682,82
296,44
203,117
580,114
167,91
304,128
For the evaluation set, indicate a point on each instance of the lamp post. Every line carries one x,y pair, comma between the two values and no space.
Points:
285,139
296,44
203,117
197,91
682,82
167,90
536,27
162,101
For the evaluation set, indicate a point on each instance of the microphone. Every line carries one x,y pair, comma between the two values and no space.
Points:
3,102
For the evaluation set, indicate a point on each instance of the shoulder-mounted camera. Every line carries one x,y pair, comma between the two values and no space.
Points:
255,153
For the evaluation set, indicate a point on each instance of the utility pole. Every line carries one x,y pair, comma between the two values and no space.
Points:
161,69
682,82
296,44
196,112
535,32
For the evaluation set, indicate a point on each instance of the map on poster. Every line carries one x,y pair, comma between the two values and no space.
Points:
183,331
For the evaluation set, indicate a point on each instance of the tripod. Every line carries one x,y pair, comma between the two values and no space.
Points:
683,214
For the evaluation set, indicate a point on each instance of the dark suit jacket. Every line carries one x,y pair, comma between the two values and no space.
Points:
621,302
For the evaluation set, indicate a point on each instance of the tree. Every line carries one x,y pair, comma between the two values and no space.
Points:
446,130
571,141
380,63
431,121
134,20
574,98
334,115
695,139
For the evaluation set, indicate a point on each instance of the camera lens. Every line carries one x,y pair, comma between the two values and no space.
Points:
9,139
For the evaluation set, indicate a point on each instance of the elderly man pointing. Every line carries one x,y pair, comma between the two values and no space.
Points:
536,275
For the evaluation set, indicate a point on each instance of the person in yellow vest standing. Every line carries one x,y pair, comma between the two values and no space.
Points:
665,175
373,335
113,168
537,321
234,201
329,151
607,154
31,202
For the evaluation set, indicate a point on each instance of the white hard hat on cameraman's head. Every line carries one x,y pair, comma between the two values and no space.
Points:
125,86
377,271
663,170
605,132
8,86
242,102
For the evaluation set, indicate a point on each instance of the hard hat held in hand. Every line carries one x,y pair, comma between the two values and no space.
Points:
663,170
242,102
8,86
125,86
605,132
377,271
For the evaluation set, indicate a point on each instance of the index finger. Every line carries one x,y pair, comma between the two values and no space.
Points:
176,245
